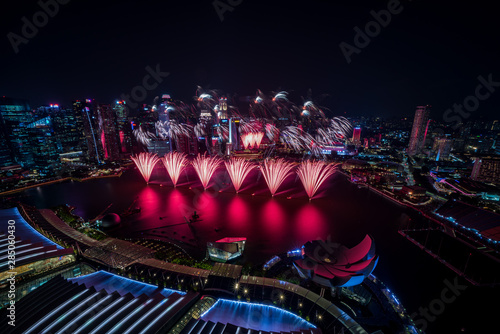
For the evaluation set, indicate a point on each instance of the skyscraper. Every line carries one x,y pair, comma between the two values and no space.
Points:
123,126
419,130
108,132
43,146
234,133
486,169
222,113
86,114
356,135
15,115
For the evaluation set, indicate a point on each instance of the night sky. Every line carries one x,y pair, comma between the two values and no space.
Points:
429,53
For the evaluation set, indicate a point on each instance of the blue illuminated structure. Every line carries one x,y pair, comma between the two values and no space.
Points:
23,230
255,316
110,282
102,303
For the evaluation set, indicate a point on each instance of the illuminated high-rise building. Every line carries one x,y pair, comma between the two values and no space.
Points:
15,115
234,133
86,113
123,127
419,130
486,169
222,110
68,129
356,135
108,132
43,146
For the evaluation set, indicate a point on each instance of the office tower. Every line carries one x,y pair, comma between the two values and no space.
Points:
486,169
108,132
123,127
234,133
15,115
419,130
87,115
43,146
223,112
356,135
67,129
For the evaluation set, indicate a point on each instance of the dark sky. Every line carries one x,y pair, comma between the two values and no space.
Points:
430,53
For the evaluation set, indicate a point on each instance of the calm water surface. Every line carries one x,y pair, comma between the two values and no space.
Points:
340,211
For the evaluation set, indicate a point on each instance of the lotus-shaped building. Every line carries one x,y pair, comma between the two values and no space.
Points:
334,265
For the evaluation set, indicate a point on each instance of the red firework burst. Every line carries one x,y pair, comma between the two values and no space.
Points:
238,170
145,162
205,167
275,172
175,163
312,174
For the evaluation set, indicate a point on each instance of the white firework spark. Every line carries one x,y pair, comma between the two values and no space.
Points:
143,137
238,170
281,96
205,167
145,162
272,132
250,126
172,129
275,172
175,163
312,174
341,127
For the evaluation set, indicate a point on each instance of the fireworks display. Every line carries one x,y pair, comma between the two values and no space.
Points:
297,139
275,172
205,167
175,163
143,137
252,140
238,170
280,96
286,127
250,126
145,162
312,174
172,129
272,132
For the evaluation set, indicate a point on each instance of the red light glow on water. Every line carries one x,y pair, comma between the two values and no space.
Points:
310,224
273,218
239,214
